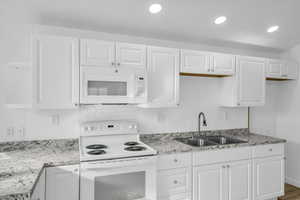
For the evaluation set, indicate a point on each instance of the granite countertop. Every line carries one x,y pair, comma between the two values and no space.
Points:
165,143
19,173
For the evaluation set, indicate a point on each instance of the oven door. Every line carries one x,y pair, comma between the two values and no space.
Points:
127,179
112,86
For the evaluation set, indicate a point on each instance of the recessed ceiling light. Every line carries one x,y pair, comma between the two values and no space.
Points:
220,20
273,29
155,8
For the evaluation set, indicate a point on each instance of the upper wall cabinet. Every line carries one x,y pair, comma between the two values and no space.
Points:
97,53
163,77
279,69
247,87
206,63
55,72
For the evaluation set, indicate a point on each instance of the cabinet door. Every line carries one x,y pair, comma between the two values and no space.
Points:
163,77
274,69
97,53
239,180
62,183
290,70
195,62
209,182
251,81
268,178
56,72
223,64
39,190
131,55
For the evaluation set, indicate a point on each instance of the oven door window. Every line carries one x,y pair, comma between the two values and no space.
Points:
127,186
106,88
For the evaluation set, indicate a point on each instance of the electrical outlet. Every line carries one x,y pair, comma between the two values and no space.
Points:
55,119
10,132
20,132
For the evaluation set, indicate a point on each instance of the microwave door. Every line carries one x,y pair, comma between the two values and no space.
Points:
100,87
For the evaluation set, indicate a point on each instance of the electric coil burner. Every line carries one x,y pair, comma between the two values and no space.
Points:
132,143
135,148
96,146
108,140
96,152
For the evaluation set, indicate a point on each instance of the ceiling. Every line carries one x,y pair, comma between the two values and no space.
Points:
184,20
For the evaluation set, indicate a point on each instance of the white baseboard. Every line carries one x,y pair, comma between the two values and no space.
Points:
292,181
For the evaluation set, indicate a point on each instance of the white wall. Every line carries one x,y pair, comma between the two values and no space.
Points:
288,121
197,94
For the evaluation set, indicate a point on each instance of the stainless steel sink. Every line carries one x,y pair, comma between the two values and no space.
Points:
209,141
196,142
224,140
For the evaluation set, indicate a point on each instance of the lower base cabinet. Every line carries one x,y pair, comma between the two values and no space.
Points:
268,177
226,181
62,183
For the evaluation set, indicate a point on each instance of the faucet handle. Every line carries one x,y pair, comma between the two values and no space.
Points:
204,123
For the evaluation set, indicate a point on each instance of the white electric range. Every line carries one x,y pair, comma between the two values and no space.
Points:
115,164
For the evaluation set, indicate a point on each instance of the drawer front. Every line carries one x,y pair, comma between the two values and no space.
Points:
173,161
221,155
183,196
268,150
174,181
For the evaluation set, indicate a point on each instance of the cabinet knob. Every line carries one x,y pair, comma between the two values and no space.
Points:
208,70
228,166
175,182
76,170
223,166
175,160
270,149
112,63
118,64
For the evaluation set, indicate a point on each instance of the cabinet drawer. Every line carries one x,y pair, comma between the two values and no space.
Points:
222,155
174,161
174,181
268,150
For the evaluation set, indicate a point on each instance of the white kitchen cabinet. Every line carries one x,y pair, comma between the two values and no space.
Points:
240,180
281,69
97,53
195,62
268,177
225,181
55,72
131,55
223,64
247,87
209,182
39,190
206,63
62,183
163,77
290,70
174,177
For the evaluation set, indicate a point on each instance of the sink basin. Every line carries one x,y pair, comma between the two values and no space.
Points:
221,140
209,141
196,142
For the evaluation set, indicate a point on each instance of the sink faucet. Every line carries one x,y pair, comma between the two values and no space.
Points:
204,123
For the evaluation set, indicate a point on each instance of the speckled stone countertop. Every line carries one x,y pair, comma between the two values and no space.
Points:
165,143
20,171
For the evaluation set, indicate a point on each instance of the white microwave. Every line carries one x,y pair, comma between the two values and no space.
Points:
112,86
